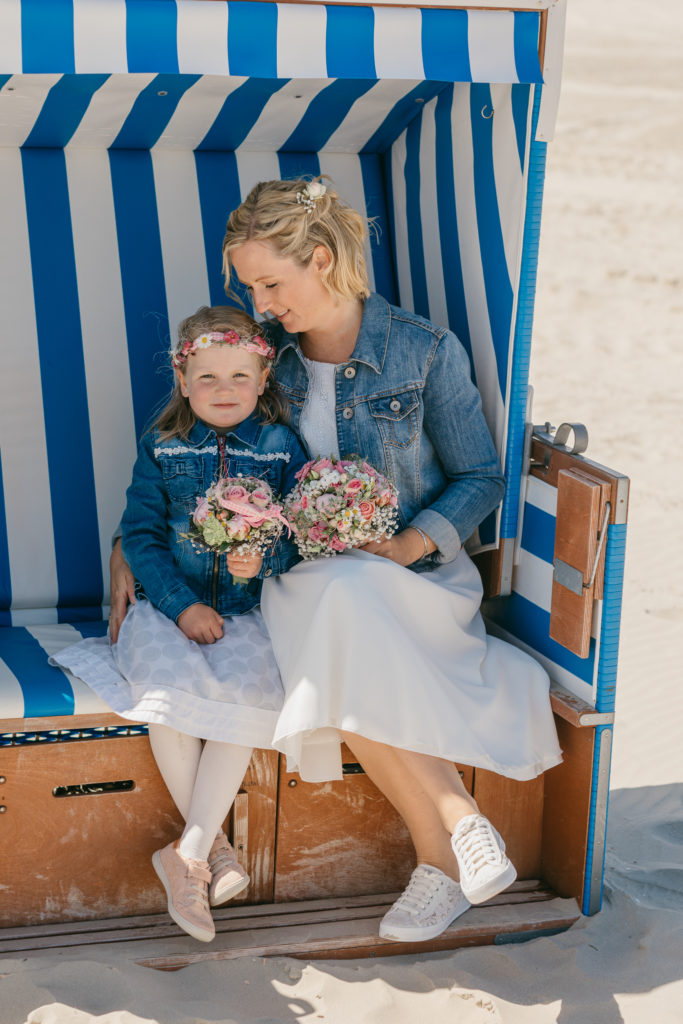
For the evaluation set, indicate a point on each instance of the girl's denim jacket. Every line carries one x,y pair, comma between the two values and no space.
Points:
406,402
167,479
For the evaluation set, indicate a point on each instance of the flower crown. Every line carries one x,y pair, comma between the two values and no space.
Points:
254,343
310,195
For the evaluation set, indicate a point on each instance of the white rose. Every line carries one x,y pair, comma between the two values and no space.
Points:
316,189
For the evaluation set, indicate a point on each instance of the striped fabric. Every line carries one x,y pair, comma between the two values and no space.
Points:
114,196
524,616
32,688
266,40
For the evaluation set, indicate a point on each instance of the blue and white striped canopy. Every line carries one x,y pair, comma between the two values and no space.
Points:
129,131
267,40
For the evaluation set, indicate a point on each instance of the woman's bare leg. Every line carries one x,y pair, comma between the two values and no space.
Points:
425,795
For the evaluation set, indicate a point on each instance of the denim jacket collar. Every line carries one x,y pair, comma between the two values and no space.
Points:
248,431
373,336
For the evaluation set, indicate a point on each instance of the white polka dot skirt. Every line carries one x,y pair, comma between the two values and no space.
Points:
228,691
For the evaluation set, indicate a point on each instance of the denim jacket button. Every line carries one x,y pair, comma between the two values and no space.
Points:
347,413
350,372
268,572
395,405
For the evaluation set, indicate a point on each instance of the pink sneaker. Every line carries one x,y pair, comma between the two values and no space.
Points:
228,877
186,883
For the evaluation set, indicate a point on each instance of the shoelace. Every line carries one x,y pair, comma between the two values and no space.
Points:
479,846
221,858
418,893
197,880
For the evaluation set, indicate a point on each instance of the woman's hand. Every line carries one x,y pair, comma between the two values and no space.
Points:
405,547
122,588
201,623
245,566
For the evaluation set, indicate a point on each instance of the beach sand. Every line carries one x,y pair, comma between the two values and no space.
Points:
608,353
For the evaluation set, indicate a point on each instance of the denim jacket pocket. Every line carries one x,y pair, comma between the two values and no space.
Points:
397,417
184,482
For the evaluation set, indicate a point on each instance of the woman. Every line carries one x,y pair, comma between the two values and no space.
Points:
393,660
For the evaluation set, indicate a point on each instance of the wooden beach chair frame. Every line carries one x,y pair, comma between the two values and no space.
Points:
123,146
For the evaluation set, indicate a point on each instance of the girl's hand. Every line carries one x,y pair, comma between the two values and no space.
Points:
201,623
405,547
122,587
246,566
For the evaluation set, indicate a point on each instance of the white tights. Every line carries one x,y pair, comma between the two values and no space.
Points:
203,777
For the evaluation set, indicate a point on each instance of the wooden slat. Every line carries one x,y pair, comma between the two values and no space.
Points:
254,826
315,928
566,812
338,839
82,856
581,501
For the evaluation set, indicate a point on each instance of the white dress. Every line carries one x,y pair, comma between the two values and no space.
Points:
370,647
229,691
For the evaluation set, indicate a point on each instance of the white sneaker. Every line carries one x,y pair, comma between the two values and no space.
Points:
484,868
427,906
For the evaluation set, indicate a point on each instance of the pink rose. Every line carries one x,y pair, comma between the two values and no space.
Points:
261,498
202,511
317,533
325,503
366,509
354,486
236,492
305,470
323,464
237,528
336,544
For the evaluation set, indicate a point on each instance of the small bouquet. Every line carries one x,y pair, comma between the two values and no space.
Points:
339,504
238,515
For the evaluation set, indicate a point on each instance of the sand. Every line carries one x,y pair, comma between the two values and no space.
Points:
607,353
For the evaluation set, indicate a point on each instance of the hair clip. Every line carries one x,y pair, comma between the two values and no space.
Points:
314,191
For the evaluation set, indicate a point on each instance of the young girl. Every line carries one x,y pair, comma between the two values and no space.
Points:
193,658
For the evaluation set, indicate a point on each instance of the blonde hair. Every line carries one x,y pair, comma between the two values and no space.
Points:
177,419
272,213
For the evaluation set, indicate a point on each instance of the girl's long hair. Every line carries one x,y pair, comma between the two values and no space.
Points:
176,418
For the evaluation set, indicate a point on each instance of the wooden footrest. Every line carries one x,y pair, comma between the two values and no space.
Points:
340,928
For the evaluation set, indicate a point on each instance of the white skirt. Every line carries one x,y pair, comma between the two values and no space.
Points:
229,691
367,646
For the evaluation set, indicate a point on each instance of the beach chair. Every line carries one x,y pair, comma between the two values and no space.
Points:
129,129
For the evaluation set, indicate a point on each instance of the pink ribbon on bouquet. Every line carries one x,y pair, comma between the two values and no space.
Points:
254,516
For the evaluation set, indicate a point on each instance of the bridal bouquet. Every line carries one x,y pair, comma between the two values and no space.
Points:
238,515
339,504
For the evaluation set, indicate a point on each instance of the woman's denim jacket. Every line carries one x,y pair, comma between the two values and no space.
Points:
405,401
167,479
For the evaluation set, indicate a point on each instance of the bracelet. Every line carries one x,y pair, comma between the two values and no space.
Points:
425,539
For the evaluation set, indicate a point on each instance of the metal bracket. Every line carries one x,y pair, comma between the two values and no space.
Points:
558,437
571,578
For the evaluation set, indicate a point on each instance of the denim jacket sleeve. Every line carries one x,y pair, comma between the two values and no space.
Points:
455,425
145,539
285,553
